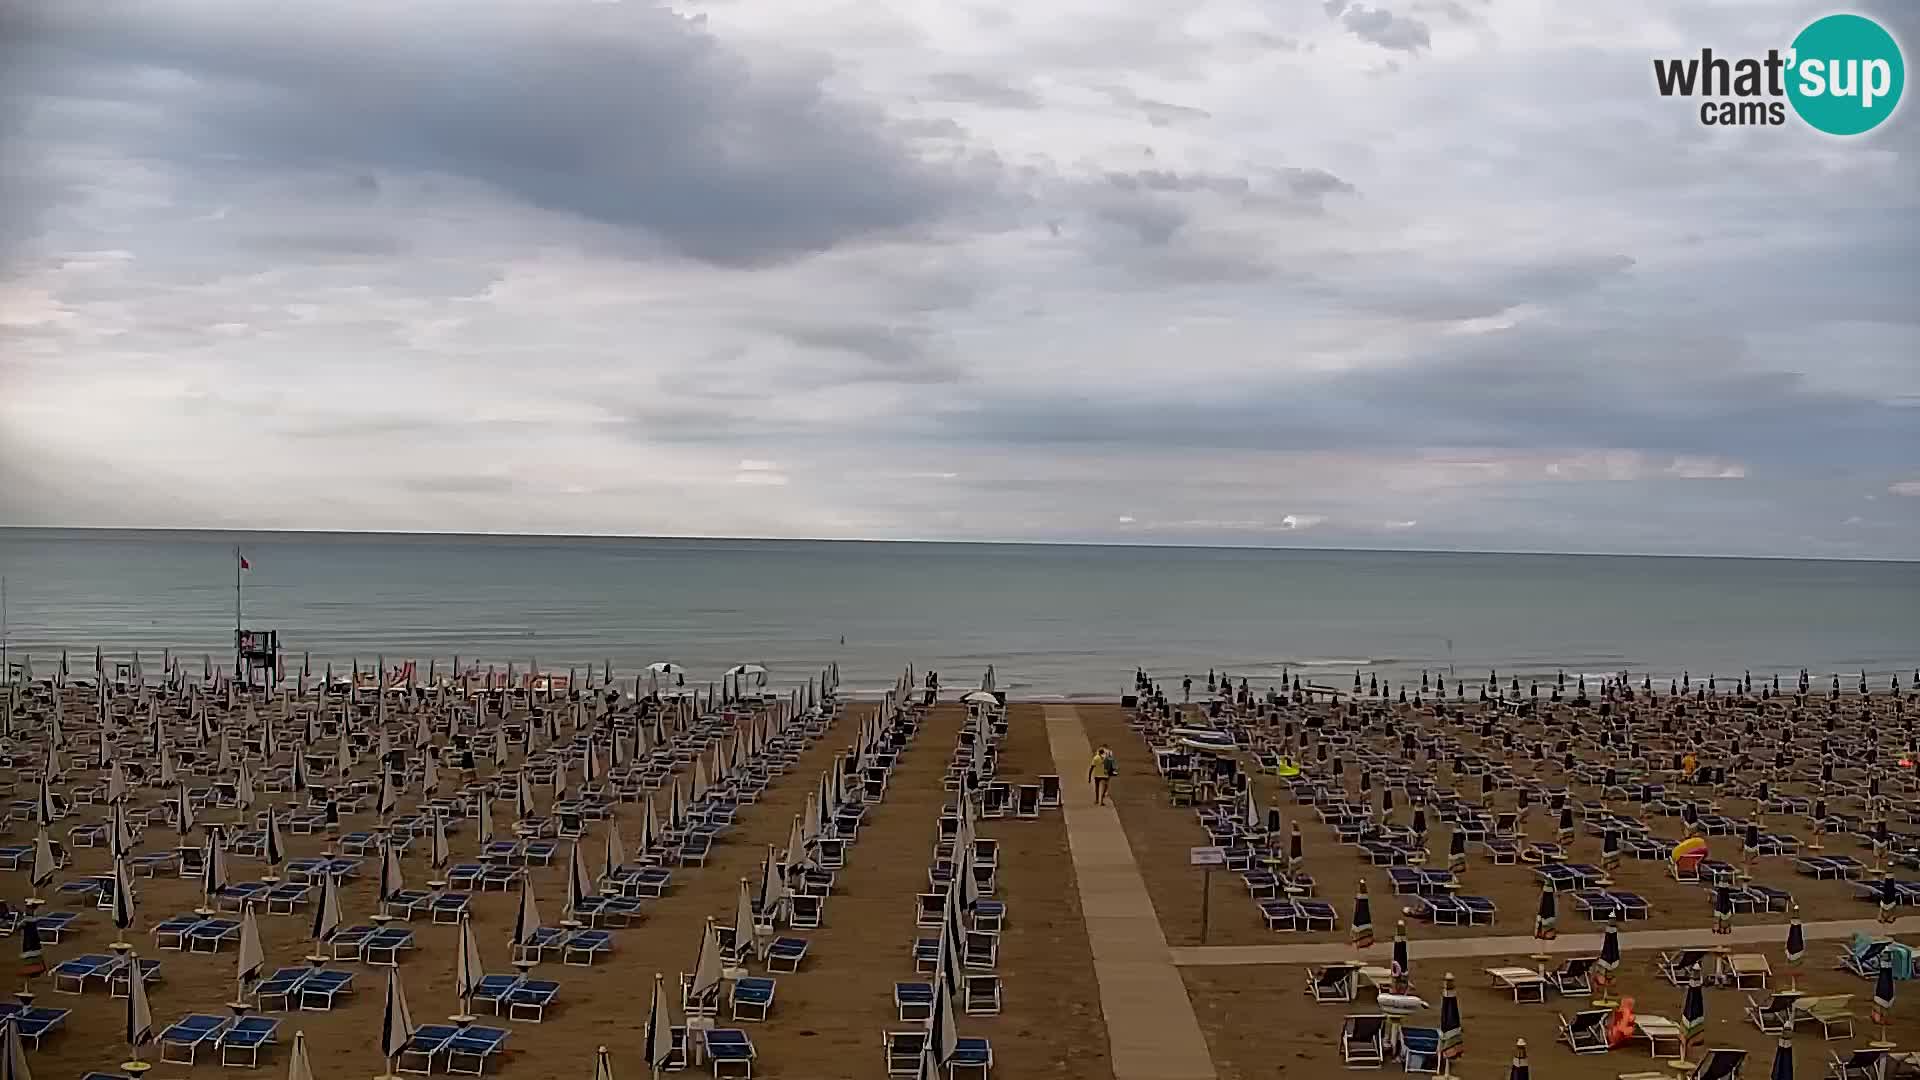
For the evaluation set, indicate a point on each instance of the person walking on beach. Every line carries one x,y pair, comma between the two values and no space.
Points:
1101,771
1186,688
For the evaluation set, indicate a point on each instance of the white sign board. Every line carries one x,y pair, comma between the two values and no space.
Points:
1207,856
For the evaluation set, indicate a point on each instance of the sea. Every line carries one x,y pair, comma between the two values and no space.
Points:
1054,621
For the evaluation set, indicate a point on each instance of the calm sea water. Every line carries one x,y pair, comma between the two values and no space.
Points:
1056,620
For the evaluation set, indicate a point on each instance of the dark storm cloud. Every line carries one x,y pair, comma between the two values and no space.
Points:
620,113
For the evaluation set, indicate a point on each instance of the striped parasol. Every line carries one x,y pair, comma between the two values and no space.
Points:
1549,911
1362,930
1693,1016
1452,1042
1610,850
1782,1061
1883,993
1457,851
1519,1070
1402,964
1608,962
1722,909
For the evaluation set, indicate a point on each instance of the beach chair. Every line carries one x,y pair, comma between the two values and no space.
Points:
980,995
730,1052
494,990
1525,984
321,990
118,978
210,934
1746,971
695,849
278,991
36,1023
529,1001
1480,910
784,954
347,944
1658,1031
468,1051
803,911
1586,1032
1631,905
171,934
1574,978
1049,791
1363,1041
180,1043
1858,1065
1832,1012
1314,915
1773,1016
1862,956
287,898
1420,1049
407,903
448,907
583,947
913,1001
980,951
1679,968
240,1043
1721,1063
383,947
972,1054
1333,983
751,998
466,876
55,924
429,1042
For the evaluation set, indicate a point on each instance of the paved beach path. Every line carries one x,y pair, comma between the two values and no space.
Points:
1151,1028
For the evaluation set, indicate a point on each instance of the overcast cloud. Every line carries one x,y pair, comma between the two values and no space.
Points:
1399,274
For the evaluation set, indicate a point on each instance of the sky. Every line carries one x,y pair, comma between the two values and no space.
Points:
1399,274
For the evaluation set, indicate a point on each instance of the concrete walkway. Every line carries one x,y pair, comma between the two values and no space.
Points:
1438,948
1151,1030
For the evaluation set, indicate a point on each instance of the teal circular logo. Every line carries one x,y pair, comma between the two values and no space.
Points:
1847,74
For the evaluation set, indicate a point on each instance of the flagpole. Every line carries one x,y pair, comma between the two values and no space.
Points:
236,610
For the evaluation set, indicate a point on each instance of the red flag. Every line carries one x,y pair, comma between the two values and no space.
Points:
244,565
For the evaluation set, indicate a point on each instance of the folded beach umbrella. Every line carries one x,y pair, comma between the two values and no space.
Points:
1693,1016
326,913
139,1030
44,864
1543,922
1402,962
745,925
1520,1070
615,848
32,952
275,852
123,901
1565,832
252,956
1362,930
13,1054
391,879
706,966
396,1025
1608,961
1722,909
1610,850
1883,993
1296,847
468,969
580,884
1782,1061
1796,946
1889,896
602,1065
527,920
213,871
1452,1039
656,1042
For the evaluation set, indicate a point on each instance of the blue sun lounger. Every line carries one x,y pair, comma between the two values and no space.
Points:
786,953
71,976
210,934
913,1001
467,1052
54,924
449,906
429,1041
583,947
349,944
500,878
237,896
409,902
530,999
730,1051
971,1054
36,1023
240,1044
287,898
384,946
171,934
182,1040
281,988
751,998
650,882
495,989
117,981
466,876
320,990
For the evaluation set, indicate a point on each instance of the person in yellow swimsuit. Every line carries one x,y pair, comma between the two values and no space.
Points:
1688,764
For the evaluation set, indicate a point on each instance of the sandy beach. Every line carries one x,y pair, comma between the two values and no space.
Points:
1062,1009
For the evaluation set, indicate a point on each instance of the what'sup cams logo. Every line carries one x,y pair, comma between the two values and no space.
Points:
1842,75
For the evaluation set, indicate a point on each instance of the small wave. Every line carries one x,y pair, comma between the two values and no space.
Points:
1336,662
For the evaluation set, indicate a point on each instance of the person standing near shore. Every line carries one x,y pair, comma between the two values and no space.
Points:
1101,771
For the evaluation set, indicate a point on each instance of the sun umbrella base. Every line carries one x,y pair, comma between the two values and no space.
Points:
135,1068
